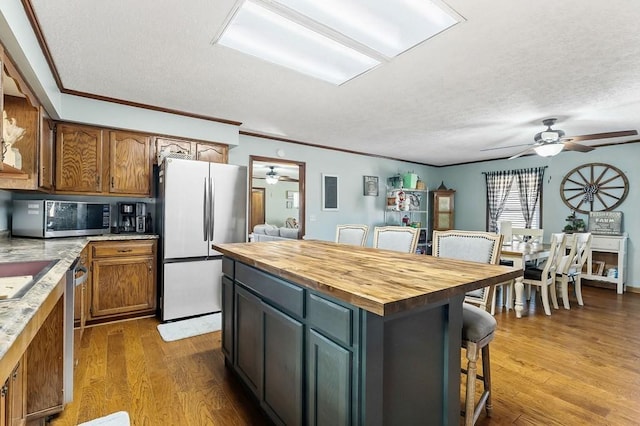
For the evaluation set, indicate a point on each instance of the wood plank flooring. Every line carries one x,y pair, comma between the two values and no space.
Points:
575,367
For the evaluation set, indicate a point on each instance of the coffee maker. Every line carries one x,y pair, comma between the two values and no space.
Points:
132,217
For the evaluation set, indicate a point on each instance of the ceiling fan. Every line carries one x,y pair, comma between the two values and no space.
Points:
551,142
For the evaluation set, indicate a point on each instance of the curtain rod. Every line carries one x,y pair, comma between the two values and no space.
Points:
503,171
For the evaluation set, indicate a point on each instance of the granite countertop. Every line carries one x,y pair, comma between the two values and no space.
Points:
380,281
16,314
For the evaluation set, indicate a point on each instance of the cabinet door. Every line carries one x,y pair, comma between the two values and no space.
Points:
212,152
443,210
78,158
227,318
129,163
249,352
123,285
329,375
45,179
17,395
44,366
4,394
283,351
166,145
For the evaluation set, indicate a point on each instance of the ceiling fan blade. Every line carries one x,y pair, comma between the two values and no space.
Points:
606,135
521,153
570,146
508,146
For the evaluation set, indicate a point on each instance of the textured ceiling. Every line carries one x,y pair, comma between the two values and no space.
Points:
487,82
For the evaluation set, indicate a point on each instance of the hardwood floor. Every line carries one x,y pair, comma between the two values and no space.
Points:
575,367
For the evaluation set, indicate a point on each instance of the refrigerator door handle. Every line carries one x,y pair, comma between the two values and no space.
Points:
212,204
205,212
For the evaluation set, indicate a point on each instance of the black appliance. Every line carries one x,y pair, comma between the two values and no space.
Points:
132,217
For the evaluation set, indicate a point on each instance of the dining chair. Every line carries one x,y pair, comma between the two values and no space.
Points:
474,246
478,325
352,234
397,238
544,275
527,235
571,268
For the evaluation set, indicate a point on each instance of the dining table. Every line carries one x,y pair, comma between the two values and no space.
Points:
520,254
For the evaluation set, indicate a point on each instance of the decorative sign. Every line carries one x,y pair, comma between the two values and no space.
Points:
605,223
371,185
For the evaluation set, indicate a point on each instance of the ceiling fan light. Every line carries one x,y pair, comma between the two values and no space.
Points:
271,177
550,136
549,149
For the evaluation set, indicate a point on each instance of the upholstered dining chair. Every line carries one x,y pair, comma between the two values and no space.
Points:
478,325
397,238
544,276
483,247
352,234
571,267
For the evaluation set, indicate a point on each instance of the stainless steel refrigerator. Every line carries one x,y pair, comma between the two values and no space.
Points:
200,203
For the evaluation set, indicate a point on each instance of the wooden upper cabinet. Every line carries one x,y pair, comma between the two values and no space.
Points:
129,163
167,145
203,151
215,153
46,151
78,158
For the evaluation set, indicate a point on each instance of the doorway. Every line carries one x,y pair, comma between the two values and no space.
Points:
277,193
257,207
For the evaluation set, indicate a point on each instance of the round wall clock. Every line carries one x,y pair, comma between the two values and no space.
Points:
594,187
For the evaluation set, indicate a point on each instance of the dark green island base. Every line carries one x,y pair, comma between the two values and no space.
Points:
331,334
312,359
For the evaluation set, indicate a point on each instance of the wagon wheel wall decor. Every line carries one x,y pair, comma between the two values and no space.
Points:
594,187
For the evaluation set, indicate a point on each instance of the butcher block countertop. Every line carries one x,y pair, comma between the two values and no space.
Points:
379,281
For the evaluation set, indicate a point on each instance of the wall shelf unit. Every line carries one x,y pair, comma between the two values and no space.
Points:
413,211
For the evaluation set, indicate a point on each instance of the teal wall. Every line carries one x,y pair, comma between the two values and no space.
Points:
469,183
354,207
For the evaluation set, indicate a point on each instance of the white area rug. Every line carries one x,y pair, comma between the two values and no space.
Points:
121,418
190,327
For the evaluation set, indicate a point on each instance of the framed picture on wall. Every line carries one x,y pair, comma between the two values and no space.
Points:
370,185
330,197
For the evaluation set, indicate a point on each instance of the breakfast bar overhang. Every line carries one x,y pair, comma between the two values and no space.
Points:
324,333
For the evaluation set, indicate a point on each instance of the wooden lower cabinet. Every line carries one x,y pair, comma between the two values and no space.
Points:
13,400
123,279
44,366
249,355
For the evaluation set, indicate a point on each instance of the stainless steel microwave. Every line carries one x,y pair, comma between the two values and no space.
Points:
49,219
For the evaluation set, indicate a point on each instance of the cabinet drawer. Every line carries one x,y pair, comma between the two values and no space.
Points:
607,244
280,292
331,318
123,248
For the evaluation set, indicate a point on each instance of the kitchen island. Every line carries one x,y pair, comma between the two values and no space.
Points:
323,333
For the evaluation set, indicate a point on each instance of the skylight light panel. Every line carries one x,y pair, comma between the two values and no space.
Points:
260,32
386,26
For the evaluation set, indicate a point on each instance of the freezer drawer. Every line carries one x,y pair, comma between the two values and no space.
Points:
191,288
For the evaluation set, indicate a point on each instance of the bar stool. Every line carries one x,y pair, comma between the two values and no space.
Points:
478,330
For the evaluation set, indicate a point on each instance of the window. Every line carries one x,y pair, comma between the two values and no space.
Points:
515,196
513,210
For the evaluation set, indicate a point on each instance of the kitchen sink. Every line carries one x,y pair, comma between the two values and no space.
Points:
16,278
